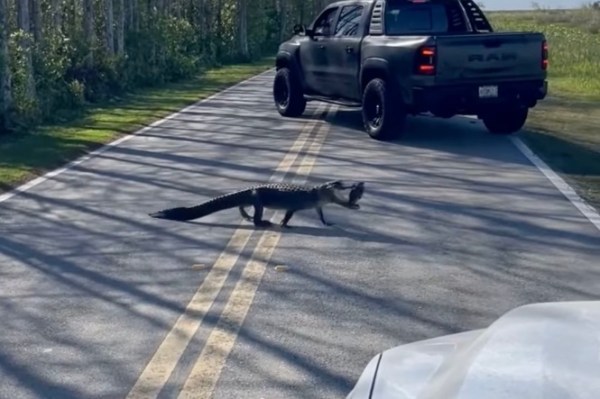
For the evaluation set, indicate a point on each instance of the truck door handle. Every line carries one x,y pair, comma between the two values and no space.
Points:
349,49
322,46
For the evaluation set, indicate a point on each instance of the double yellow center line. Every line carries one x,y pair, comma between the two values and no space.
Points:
205,373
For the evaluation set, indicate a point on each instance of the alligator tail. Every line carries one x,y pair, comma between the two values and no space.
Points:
227,201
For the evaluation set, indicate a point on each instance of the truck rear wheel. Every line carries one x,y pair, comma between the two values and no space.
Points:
505,121
287,93
382,111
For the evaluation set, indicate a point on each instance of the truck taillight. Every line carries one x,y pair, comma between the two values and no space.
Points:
544,54
426,60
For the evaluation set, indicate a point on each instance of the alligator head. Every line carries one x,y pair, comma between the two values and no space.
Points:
356,194
341,193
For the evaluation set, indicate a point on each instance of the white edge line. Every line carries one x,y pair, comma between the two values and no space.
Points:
32,183
562,186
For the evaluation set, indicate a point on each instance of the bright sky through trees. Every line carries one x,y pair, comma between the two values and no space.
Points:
527,5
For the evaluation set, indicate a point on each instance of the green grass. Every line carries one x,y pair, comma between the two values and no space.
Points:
25,156
574,52
564,128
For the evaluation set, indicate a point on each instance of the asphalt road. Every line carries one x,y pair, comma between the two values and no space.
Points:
456,227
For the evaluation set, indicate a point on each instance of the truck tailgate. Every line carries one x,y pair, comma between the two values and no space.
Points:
492,57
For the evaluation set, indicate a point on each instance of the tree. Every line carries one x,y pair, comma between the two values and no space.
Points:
243,29
109,26
5,89
57,10
121,28
89,30
36,19
25,39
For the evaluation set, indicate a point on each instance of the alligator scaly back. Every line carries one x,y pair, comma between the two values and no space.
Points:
232,200
282,196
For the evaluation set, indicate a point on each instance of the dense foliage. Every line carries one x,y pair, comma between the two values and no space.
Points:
56,55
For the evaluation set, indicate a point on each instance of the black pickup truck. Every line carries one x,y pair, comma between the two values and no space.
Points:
394,58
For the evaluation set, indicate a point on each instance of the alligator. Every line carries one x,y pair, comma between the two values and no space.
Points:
281,196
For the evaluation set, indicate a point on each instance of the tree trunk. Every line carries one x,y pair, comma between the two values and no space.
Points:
36,19
110,28
176,9
121,28
24,24
201,24
218,35
281,7
207,30
319,5
57,14
5,85
88,28
134,7
131,14
243,29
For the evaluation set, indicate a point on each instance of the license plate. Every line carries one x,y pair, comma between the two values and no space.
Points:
488,91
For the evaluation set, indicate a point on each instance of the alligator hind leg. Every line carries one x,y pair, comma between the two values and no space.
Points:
245,214
286,219
258,220
258,213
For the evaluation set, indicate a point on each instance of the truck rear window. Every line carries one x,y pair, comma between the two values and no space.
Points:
404,17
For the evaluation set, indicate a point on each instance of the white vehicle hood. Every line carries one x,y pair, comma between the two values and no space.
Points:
547,350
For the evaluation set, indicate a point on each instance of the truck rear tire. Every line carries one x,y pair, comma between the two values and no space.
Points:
287,93
383,113
505,121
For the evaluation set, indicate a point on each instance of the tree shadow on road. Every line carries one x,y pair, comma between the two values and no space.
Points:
447,259
338,230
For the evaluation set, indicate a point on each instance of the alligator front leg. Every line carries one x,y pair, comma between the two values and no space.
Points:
286,219
322,217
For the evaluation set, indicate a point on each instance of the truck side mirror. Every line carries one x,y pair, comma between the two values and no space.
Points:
299,29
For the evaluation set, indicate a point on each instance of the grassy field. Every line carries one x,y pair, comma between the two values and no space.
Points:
23,157
564,129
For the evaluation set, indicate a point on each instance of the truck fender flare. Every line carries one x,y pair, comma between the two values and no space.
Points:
289,60
373,67
379,67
